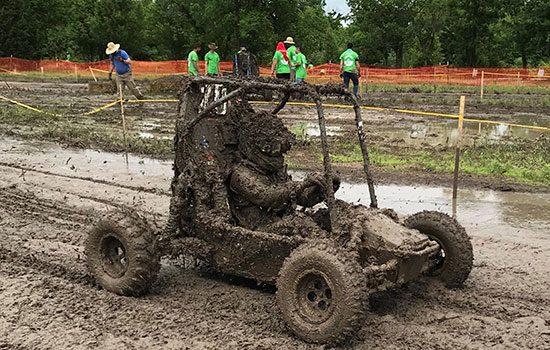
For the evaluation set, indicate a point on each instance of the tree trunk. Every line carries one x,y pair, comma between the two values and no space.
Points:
399,55
523,59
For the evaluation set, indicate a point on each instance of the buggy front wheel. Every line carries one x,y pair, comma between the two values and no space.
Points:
454,260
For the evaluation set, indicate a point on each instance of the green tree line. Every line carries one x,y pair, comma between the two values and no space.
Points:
390,33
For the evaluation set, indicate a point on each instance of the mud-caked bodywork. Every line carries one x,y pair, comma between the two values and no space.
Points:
235,205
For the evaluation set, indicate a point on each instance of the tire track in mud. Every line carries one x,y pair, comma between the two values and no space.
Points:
195,309
90,179
43,205
23,260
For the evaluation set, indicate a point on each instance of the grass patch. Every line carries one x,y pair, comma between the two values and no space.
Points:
524,161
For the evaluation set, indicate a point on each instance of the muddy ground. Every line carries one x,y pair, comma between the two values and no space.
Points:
49,197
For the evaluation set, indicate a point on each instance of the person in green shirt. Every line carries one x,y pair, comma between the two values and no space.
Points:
280,65
301,65
212,60
291,53
193,61
350,69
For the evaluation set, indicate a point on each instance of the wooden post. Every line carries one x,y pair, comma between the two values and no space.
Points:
482,81
367,87
435,83
123,122
93,75
42,71
360,86
457,155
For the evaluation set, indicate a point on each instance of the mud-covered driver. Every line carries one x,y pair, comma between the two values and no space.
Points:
262,193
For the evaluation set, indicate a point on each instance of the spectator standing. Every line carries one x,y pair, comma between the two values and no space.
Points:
301,65
193,60
212,60
291,53
121,62
350,69
280,65
245,63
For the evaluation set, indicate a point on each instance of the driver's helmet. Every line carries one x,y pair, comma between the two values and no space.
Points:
263,140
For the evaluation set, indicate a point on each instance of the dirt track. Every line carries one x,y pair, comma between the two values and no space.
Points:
47,299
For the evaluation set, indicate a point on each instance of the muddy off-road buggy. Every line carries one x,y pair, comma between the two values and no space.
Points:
234,206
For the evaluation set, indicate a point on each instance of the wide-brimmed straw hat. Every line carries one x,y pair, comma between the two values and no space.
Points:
289,40
212,46
111,48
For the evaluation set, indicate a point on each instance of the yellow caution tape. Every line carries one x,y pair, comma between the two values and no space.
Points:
296,104
411,112
29,107
102,108
507,124
55,114
157,100
99,70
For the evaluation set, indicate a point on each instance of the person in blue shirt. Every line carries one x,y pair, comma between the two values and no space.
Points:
121,62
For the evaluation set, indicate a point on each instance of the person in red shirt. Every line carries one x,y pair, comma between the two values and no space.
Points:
281,63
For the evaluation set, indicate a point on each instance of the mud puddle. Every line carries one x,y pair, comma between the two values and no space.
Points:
312,130
446,134
85,163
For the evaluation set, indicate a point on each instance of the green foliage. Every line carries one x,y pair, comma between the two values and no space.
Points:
385,32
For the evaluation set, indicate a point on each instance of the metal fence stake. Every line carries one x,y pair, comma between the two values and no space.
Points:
457,156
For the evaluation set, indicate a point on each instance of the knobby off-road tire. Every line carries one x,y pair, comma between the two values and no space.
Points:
322,292
455,260
122,254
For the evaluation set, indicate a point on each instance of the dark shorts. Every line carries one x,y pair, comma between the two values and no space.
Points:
283,76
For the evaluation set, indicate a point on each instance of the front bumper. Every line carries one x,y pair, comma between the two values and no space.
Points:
407,264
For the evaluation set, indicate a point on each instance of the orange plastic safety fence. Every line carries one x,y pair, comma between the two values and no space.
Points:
329,72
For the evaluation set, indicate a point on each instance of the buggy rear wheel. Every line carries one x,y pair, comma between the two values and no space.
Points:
453,262
122,254
321,292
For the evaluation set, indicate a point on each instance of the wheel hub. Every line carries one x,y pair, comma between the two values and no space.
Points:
113,256
439,257
315,297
